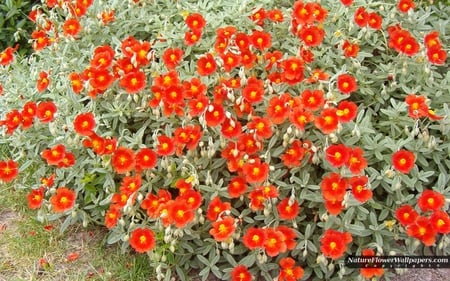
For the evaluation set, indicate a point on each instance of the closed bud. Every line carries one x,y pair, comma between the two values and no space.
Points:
331,267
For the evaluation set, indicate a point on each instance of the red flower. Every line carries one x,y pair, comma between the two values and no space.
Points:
289,236
369,273
195,21
172,57
292,70
84,124
253,92
112,217
55,154
274,243
430,200
275,15
71,27
337,155
346,111
133,82
7,56
409,46
405,5
334,243
303,13
346,84
334,207
216,208
361,17
436,55
130,184
8,170
431,40
254,238
63,199
293,155
43,81
406,215
146,158
359,188
46,111
440,221
311,35
237,186
67,161
123,160
101,79
258,16
288,270
214,114
223,229
288,210
328,120
231,128
356,162
141,52
261,40
256,171
142,240
166,146
192,37
13,120
300,117
206,65
278,108
41,40
180,213
403,161
76,82
422,230
333,187
313,100
261,126
346,2
103,57
192,197
241,273
375,21
417,106
35,198
230,61
350,50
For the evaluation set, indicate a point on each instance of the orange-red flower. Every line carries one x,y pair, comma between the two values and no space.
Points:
172,57
278,108
35,198
46,111
359,188
356,162
195,21
292,70
333,187
369,273
261,126
361,17
440,221
334,207
346,111
422,230
337,155
165,146
350,50
142,240
406,215
274,244
9,170
311,35
303,13
63,200
101,78
214,114
375,20
7,56
133,82
230,61
346,2
436,55
261,40
258,16
103,57
71,27
431,40
254,238
300,117
216,208
241,273
253,92
275,15
13,120
84,124
313,99
107,16
237,186
405,5
67,161
112,217
146,158
41,40
43,81
223,229
417,106
346,84
130,184
256,171
180,212
55,154
206,65
328,120
294,154
334,243
288,270
403,161
123,160
430,200
231,128
288,209
76,82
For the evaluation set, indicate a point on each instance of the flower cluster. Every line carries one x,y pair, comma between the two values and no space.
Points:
272,139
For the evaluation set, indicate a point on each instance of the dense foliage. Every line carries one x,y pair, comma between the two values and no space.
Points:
269,140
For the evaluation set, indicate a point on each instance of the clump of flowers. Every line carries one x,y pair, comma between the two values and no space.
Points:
265,143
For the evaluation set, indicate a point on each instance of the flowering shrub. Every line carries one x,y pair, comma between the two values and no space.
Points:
266,140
